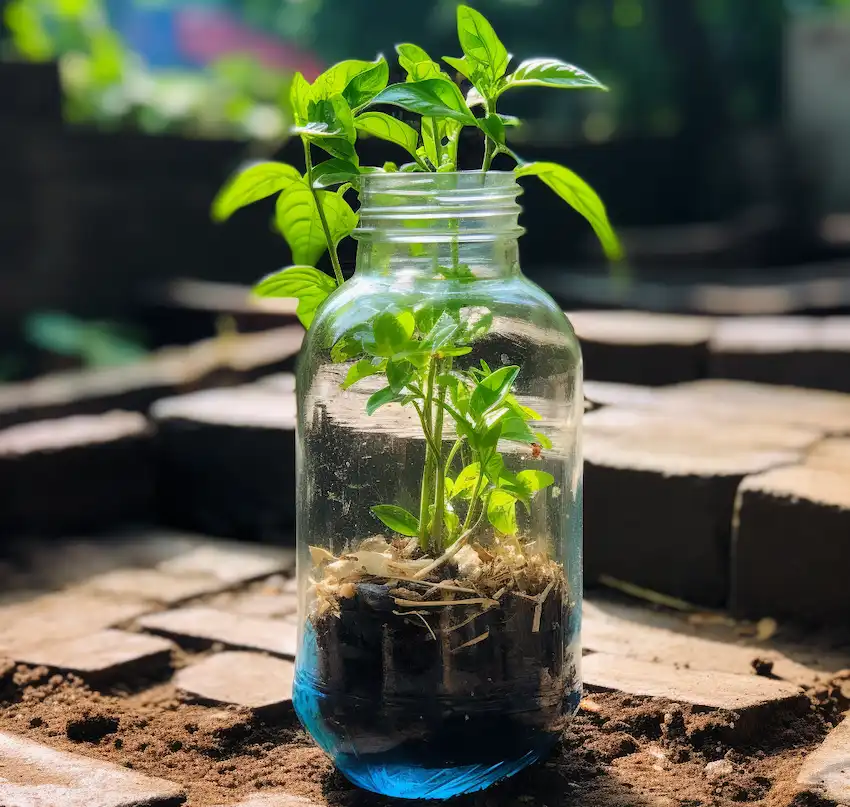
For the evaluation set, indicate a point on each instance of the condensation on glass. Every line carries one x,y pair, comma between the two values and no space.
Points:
435,685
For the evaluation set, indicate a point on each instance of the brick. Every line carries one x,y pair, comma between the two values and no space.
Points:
795,351
226,462
658,513
210,625
252,680
229,562
280,382
791,545
831,454
61,616
647,635
33,775
706,689
632,347
648,426
153,585
102,657
95,471
826,772
609,393
827,412
260,604
215,362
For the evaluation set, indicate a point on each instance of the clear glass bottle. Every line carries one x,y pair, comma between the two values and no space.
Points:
439,538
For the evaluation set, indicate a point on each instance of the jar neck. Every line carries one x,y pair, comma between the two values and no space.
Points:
460,226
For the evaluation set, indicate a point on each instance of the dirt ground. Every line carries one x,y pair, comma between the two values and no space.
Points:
620,751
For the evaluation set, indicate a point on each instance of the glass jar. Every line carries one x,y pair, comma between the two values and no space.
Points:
439,498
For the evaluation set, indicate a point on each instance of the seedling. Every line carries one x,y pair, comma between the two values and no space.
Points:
463,413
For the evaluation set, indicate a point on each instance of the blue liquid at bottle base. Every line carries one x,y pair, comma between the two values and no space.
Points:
457,748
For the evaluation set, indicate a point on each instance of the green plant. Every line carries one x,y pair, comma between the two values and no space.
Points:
414,349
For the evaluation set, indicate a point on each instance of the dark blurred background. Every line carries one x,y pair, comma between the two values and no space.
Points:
721,152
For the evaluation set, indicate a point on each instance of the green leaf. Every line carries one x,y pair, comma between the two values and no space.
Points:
516,429
360,370
501,512
299,222
305,283
392,332
384,126
416,62
494,127
551,73
433,97
494,467
532,481
431,135
381,398
254,183
334,172
581,197
397,519
337,79
481,44
440,335
399,374
350,344
449,486
364,86
492,390
467,479
330,126
300,95
461,65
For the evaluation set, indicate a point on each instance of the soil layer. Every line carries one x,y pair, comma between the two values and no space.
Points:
619,751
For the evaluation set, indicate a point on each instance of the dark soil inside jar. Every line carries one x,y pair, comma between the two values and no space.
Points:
442,688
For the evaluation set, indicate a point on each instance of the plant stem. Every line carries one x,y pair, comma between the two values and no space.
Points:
440,470
455,547
430,458
455,448
308,160
438,151
490,146
474,499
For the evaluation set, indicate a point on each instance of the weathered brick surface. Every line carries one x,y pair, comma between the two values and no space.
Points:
153,585
61,616
229,562
660,515
77,473
33,775
791,545
227,462
708,689
242,679
627,630
610,393
210,363
650,427
209,625
105,656
827,412
260,604
830,454
796,351
826,772
633,347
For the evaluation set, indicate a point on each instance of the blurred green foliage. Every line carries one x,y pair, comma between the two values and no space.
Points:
94,344
108,85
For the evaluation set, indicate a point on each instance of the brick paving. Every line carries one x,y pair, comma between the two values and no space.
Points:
109,655
827,771
252,680
210,625
33,775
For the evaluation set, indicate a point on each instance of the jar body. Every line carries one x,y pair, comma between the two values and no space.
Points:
439,525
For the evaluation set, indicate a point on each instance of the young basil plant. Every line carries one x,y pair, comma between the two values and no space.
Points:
414,350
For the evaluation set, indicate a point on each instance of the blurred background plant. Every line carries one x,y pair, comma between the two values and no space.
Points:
111,84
